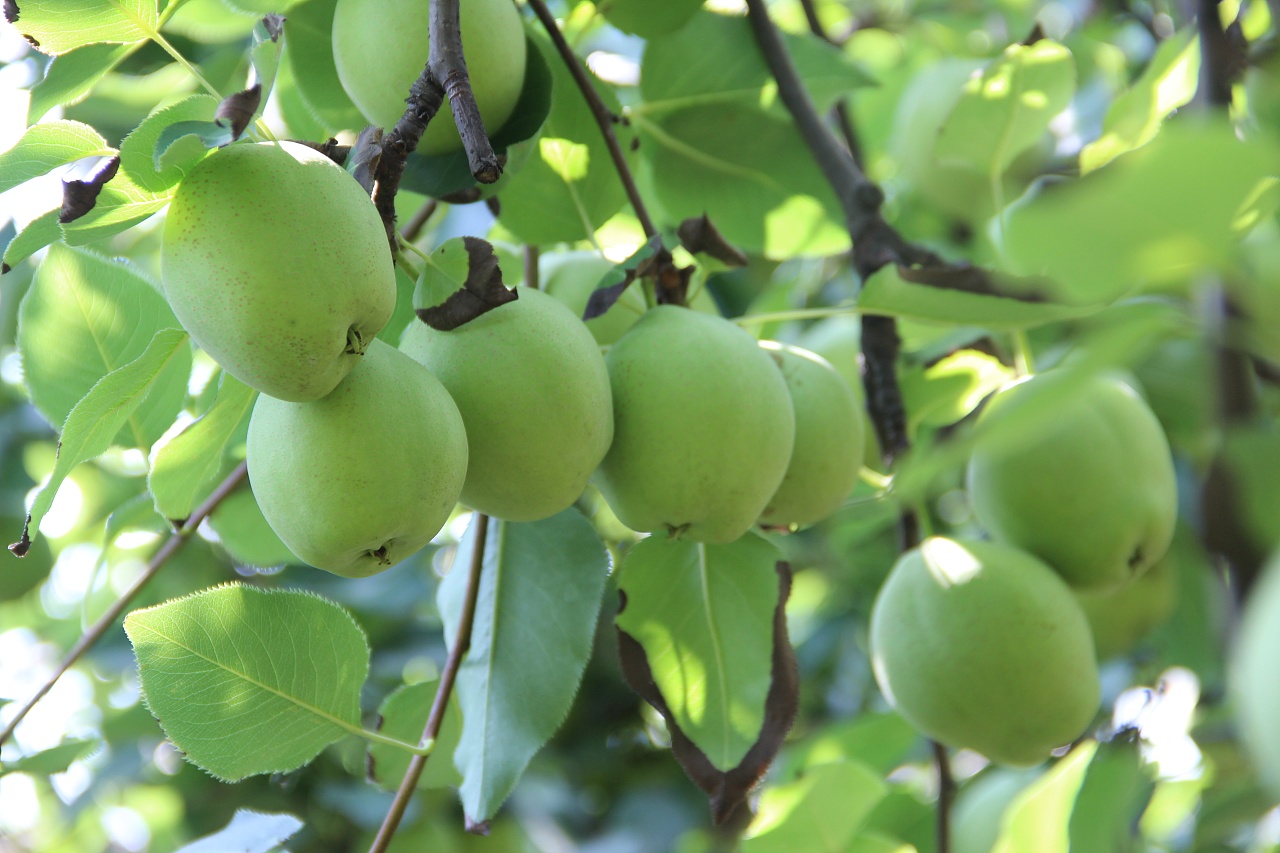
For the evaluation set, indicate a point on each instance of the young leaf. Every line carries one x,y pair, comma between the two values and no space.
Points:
95,420
141,149
1037,820
248,832
247,681
482,290
40,232
818,813
184,470
540,592
71,333
56,26
45,147
71,76
1007,109
403,716
706,645
53,760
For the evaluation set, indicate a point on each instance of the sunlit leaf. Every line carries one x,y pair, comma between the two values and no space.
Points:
57,26
38,233
71,76
1038,819
46,146
139,150
820,812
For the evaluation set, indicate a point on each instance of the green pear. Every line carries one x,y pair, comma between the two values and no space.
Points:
534,394
838,339
703,427
380,47
361,479
829,440
1253,686
571,277
1120,618
276,262
980,645
1076,470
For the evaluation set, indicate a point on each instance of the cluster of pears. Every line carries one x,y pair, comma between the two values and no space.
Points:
985,644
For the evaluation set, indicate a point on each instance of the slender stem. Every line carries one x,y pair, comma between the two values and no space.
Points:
874,478
410,268
604,118
461,643
1215,62
185,63
946,795
798,314
1024,362
419,221
158,561
531,267
377,737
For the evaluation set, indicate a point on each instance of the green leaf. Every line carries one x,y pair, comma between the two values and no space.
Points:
71,76
404,716
309,50
84,317
1037,820
1169,81
819,813
886,292
568,187
264,56
40,232
1159,214
540,592
1115,793
45,147
95,420
1007,109
184,143
57,26
879,741
50,761
247,681
704,616
947,390
121,205
186,468
248,832
140,150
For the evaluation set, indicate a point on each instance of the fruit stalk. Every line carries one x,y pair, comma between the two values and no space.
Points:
157,562
458,651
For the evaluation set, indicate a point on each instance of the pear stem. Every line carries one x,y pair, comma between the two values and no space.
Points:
458,651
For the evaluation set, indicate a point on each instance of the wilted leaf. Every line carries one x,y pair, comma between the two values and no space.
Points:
236,111
482,290
699,234
79,197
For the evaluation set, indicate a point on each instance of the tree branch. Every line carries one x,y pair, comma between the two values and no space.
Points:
461,644
604,118
415,225
1215,56
158,561
840,112
946,796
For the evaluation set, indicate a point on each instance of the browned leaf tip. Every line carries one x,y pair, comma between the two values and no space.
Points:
728,790
482,291
79,197
4,268
23,545
236,111
640,264
1036,34
11,11
273,23
364,157
698,234
477,827
979,281
603,299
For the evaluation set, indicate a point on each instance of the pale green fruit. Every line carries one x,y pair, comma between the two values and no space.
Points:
1253,680
534,393
380,48
703,427
980,645
571,277
829,440
1119,619
838,339
276,262
1082,479
361,479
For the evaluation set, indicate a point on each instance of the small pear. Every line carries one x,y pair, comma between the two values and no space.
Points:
533,391
1254,687
1076,470
703,427
980,645
276,262
357,481
1119,619
829,442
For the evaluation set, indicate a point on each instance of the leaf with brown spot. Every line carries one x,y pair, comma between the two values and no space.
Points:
620,277
699,235
273,23
238,109
482,291
11,11
364,157
79,197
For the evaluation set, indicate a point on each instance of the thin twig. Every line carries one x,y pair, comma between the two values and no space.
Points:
946,796
531,267
461,644
1215,62
604,118
158,561
415,225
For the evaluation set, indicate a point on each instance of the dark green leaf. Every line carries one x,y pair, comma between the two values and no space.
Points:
403,716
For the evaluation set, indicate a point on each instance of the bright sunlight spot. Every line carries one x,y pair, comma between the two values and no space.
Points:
949,562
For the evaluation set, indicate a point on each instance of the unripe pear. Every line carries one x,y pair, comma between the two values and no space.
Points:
276,262
359,480
980,645
703,427
380,48
533,391
1078,472
1120,618
829,440
1254,687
